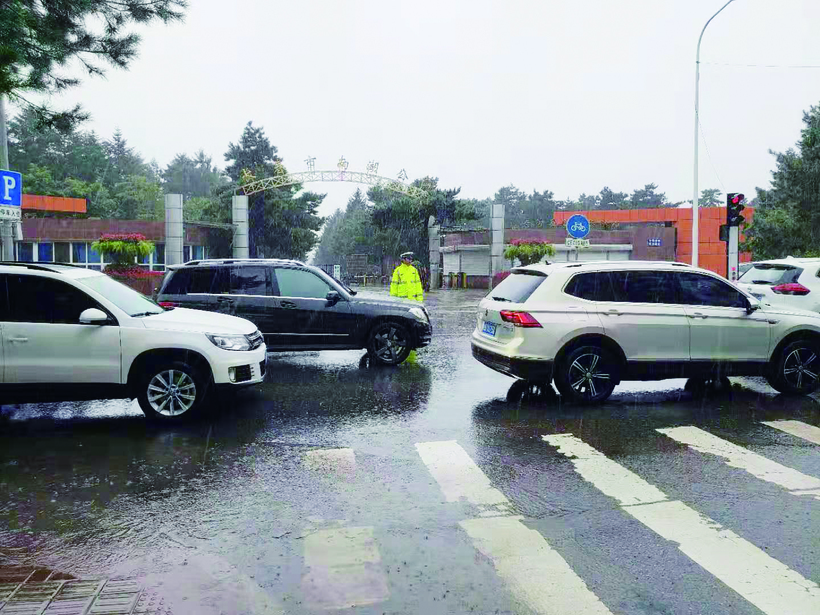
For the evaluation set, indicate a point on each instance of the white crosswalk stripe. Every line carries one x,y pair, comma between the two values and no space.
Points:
768,584
738,457
807,432
537,575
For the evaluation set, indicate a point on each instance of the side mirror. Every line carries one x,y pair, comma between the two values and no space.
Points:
333,297
752,305
93,316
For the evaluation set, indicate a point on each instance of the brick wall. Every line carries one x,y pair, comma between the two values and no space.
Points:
73,229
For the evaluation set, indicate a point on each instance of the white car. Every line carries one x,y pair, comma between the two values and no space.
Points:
788,282
65,327
589,326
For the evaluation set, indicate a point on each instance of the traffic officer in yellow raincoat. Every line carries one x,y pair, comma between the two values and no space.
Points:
406,283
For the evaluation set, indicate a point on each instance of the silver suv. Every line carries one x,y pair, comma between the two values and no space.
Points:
589,326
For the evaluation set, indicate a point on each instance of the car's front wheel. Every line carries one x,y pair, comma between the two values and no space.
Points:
389,343
586,375
171,391
796,369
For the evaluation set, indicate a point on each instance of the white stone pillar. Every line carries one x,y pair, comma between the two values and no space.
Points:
174,232
497,238
434,247
7,239
239,211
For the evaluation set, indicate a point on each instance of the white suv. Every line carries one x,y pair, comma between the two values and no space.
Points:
588,326
64,327
788,282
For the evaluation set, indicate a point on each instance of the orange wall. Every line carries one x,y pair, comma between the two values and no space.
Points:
711,250
60,204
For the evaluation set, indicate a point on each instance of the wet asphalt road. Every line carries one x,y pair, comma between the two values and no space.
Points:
308,494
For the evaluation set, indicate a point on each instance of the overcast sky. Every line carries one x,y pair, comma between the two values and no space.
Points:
565,95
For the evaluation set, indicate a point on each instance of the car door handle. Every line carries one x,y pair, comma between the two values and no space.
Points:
224,300
289,305
698,315
613,312
20,340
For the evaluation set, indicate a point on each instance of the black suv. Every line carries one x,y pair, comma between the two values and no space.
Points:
298,307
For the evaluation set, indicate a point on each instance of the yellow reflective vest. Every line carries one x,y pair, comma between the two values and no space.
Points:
406,283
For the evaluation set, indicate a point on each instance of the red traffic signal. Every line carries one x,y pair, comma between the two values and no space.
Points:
734,206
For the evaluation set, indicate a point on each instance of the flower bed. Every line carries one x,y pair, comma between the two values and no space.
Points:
133,276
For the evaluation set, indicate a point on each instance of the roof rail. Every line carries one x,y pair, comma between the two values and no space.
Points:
38,266
229,261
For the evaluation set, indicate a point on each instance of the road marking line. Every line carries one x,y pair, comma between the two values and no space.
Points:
338,461
343,569
797,428
744,459
771,586
537,574
458,475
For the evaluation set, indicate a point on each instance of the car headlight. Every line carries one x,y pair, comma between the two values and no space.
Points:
420,314
230,342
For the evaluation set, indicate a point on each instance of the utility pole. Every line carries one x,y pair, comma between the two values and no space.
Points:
4,139
696,196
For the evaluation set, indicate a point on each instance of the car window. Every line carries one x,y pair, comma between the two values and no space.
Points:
769,274
197,280
43,300
637,287
249,281
518,286
301,283
698,289
583,286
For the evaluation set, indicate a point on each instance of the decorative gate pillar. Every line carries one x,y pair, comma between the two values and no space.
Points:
239,212
174,232
433,235
496,238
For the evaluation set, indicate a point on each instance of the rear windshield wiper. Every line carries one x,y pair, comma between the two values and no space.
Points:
494,298
761,282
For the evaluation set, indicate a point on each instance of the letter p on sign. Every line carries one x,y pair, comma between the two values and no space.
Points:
11,188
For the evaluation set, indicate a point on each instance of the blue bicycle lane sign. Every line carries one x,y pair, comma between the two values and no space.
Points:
578,226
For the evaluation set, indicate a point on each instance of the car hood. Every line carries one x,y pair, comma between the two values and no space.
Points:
780,310
395,303
198,321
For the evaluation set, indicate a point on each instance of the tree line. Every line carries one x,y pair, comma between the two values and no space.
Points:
118,183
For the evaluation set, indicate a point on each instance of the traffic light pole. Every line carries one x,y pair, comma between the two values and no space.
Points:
732,254
695,195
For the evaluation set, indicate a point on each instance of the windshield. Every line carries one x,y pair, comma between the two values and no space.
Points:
769,274
518,286
128,300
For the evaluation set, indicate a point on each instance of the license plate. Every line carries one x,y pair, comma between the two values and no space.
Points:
489,328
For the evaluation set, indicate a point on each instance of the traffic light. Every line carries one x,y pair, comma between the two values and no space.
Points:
734,205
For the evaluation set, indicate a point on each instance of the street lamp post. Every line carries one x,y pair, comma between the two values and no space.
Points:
695,196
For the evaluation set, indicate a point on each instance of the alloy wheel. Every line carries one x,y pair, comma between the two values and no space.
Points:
390,344
801,368
587,375
171,392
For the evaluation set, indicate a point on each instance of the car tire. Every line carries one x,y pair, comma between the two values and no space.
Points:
165,388
389,343
587,375
796,369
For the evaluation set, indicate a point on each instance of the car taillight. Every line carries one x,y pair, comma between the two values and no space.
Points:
168,305
790,289
519,319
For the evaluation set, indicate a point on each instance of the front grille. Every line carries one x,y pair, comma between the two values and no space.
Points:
262,367
243,373
255,339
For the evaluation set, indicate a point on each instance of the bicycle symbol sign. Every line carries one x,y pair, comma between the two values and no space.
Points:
578,226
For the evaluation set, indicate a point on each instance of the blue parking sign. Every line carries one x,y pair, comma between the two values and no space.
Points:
11,188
